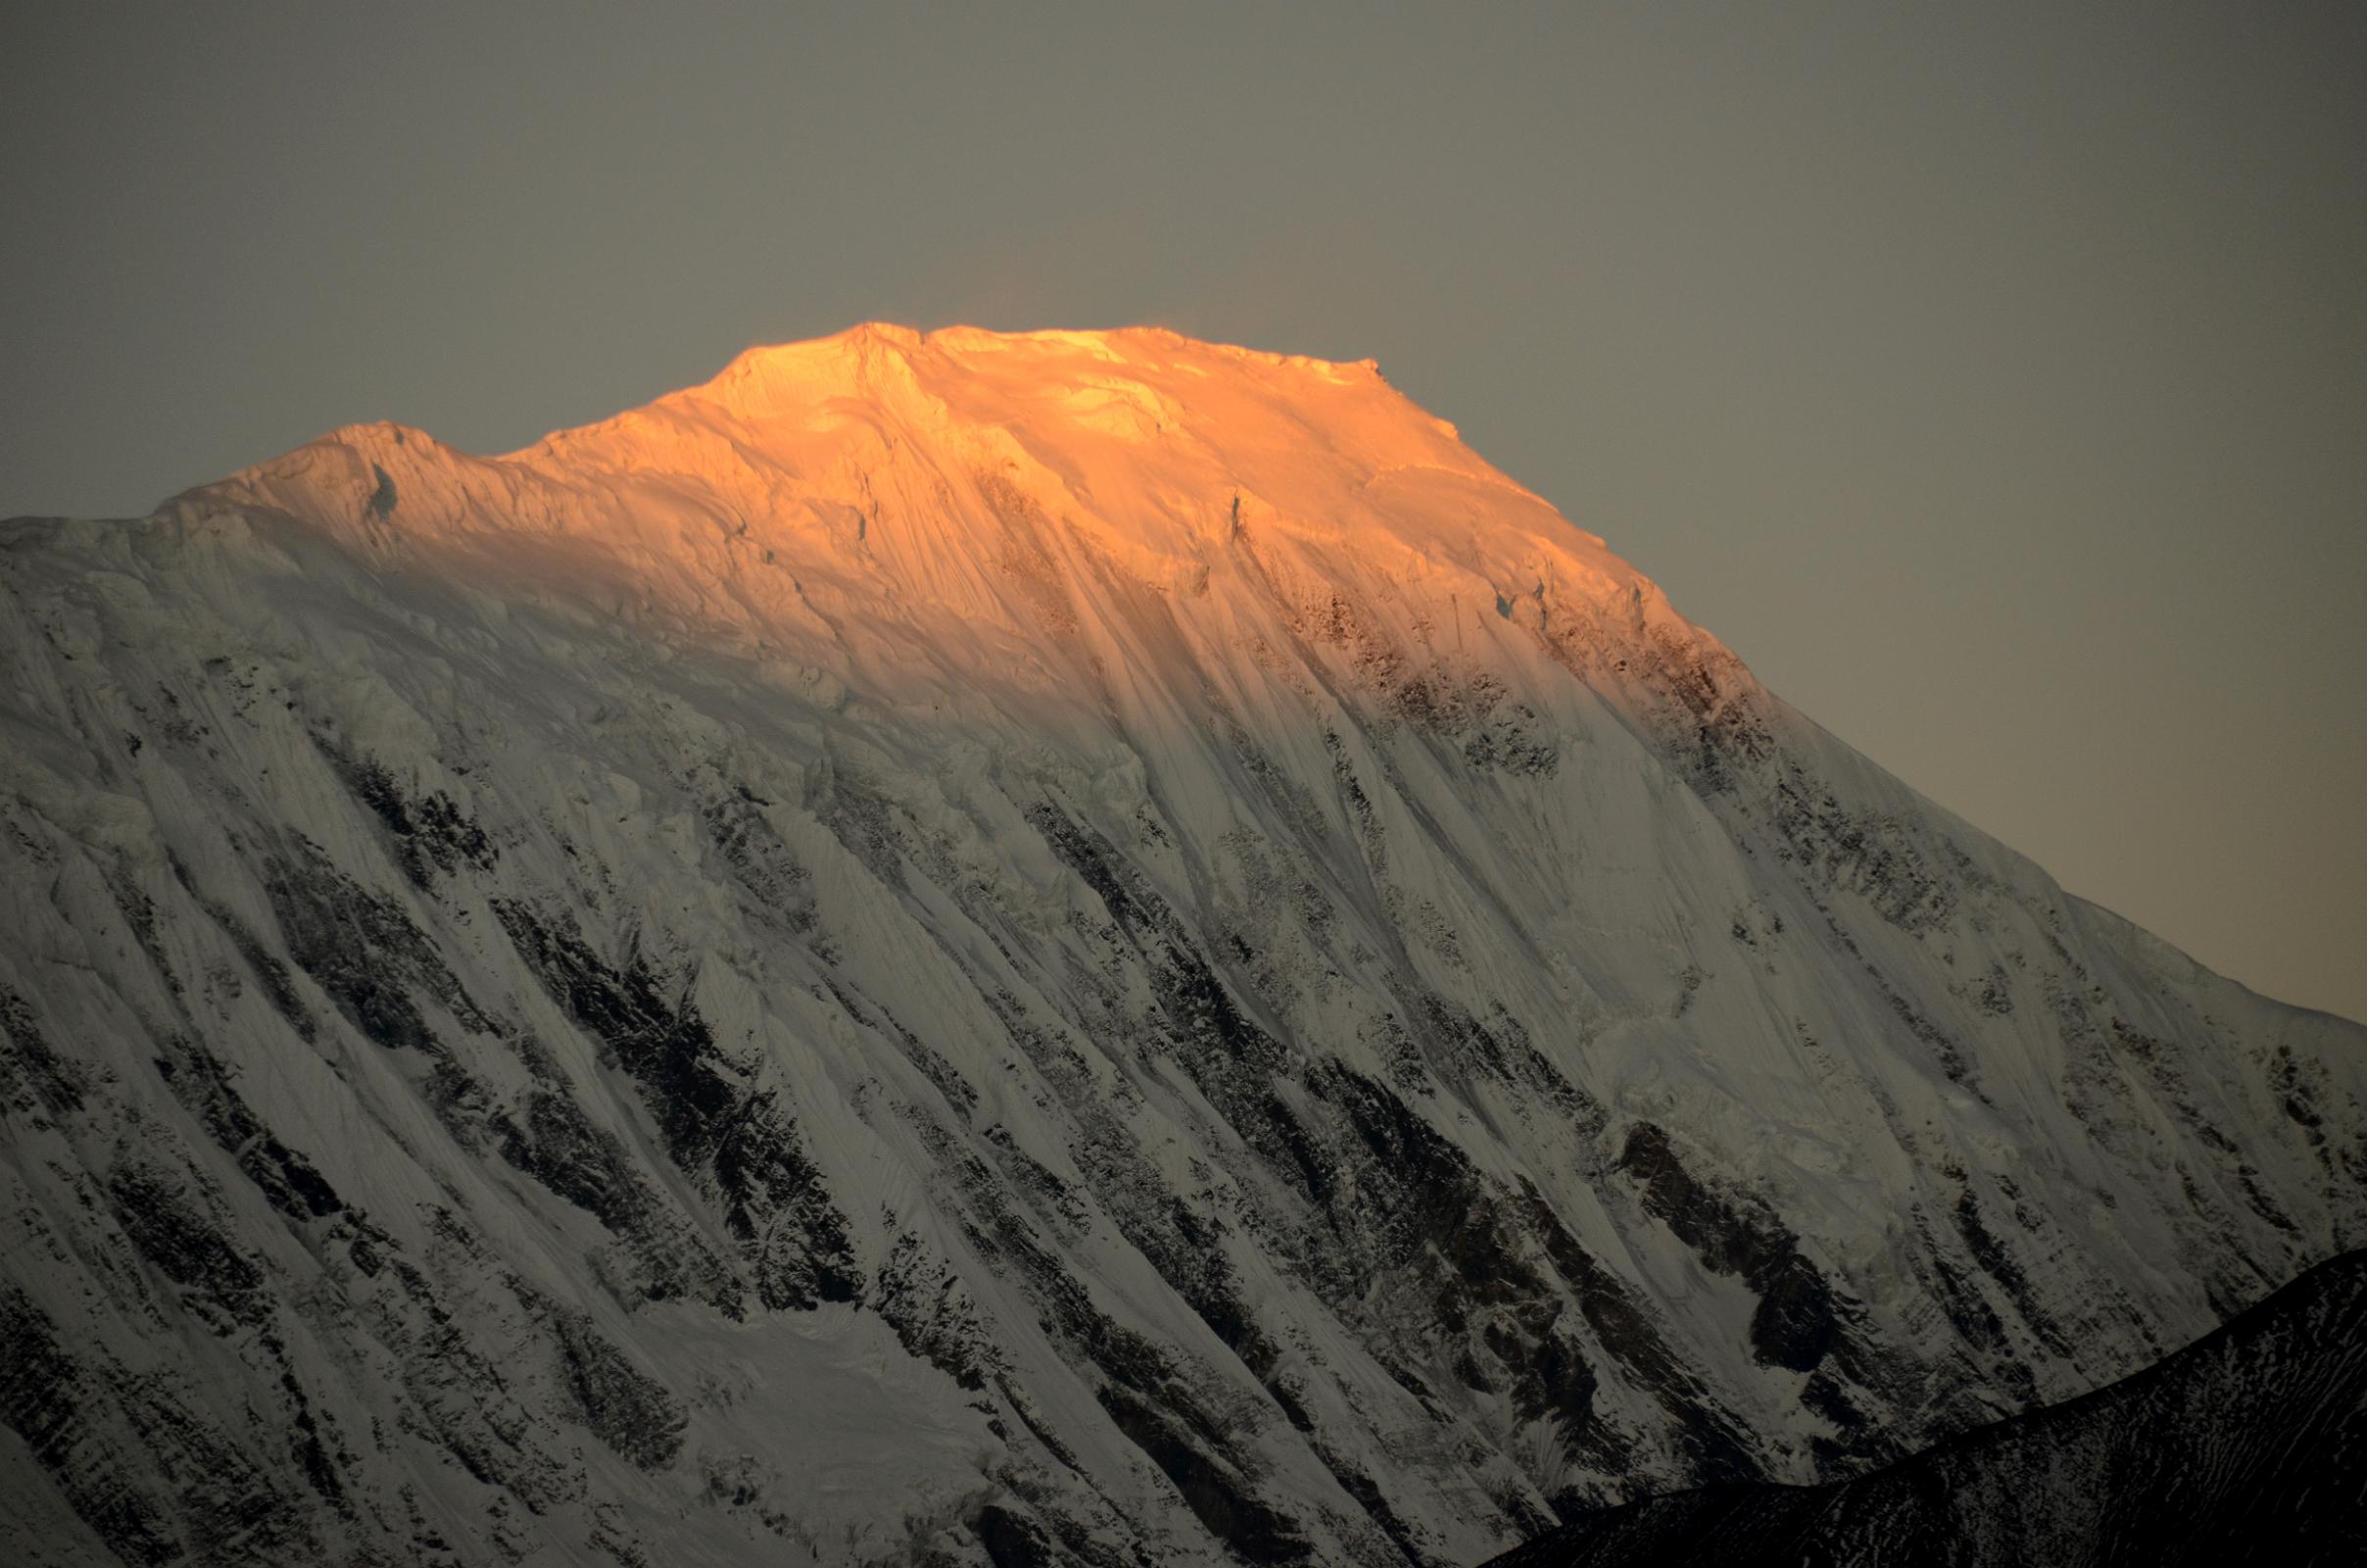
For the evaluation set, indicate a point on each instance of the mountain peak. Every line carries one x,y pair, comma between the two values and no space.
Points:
887,450
873,355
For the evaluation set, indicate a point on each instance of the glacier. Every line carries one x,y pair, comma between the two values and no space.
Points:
974,948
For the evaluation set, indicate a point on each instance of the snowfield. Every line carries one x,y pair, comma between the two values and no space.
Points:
1055,948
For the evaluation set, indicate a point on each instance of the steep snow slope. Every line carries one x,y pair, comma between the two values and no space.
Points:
1067,947
2249,1446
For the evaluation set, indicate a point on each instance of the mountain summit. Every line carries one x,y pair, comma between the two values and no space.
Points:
885,460
1061,946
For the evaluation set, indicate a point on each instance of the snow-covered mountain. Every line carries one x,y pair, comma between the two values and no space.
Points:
2246,1448
1071,947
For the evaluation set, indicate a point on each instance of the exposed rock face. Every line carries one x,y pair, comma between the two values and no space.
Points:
1075,948
2249,1446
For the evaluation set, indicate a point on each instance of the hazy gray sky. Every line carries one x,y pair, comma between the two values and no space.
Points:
1993,379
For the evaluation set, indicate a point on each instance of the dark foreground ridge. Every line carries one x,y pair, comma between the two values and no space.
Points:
2248,1446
